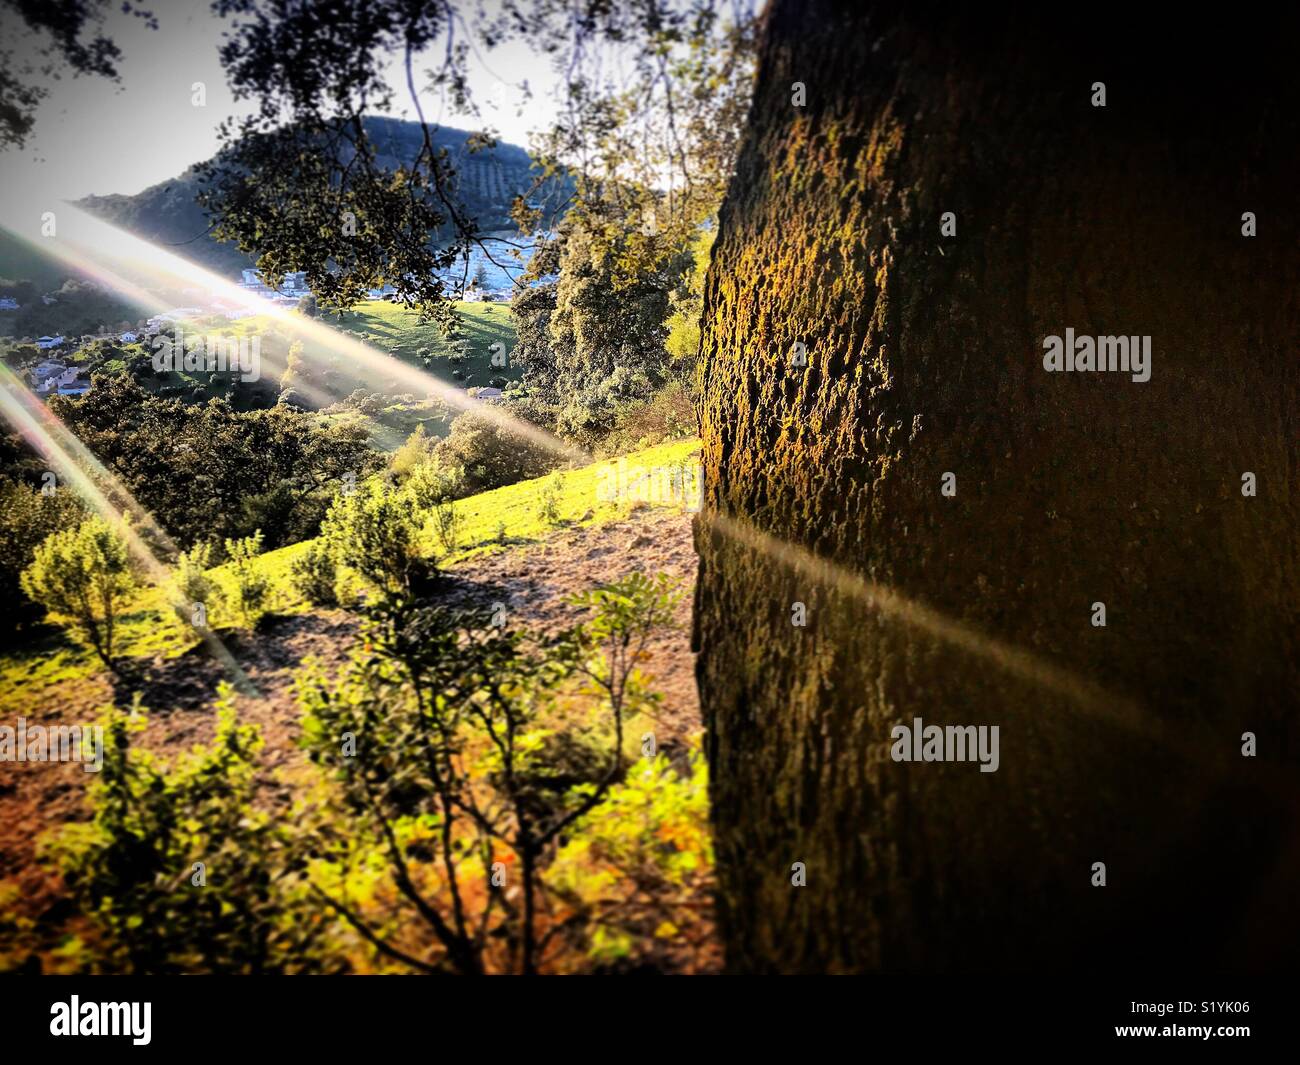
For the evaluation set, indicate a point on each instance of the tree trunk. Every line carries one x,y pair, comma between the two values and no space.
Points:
1119,744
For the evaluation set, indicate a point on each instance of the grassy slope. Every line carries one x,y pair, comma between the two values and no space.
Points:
397,330
149,629
386,327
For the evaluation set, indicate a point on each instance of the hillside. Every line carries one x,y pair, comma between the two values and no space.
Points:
329,374
487,182
532,571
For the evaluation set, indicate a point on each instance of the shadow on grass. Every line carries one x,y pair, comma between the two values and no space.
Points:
189,681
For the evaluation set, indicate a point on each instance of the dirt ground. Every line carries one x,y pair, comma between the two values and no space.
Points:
533,581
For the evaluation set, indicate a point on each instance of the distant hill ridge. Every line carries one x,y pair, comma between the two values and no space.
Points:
487,182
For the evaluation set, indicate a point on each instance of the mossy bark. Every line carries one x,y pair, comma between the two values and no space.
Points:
1119,744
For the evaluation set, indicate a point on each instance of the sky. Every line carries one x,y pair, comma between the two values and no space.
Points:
96,137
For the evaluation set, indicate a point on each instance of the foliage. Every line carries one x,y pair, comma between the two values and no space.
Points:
637,868
446,522
226,473
548,505
132,868
607,331
532,309
83,576
490,454
667,415
27,517
192,583
315,575
625,613
373,531
363,212
465,757
430,483
417,450
69,36
251,586
687,308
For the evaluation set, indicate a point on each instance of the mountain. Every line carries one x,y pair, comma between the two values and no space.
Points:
487,181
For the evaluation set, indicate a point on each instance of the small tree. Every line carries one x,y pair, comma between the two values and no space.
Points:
315,575
252,587
373,532
177,870
194,587
462,767
83,577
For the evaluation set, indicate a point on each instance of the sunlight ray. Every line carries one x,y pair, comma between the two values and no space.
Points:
88,244
1084,694
83,473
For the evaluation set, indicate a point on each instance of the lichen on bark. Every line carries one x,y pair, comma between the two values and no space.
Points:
924,357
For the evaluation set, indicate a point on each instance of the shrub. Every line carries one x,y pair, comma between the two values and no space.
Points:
373,532
548,504
476,751
589,414
219,458
429,484
667,415
654,828
252,587
315,575
416,451
177,871
83,577
490,454
28,516
446,522
193,585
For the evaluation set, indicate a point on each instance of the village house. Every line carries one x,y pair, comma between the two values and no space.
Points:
8,303
77,386
54,376
45,343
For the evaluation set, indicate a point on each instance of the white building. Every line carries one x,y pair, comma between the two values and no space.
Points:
8,303
50,376
129,337
48,342
294,284
77,386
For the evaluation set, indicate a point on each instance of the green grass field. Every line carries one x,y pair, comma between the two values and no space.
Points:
581,497
397,330
328,375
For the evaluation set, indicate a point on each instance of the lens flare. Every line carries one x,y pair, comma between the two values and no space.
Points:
84,474
89,245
